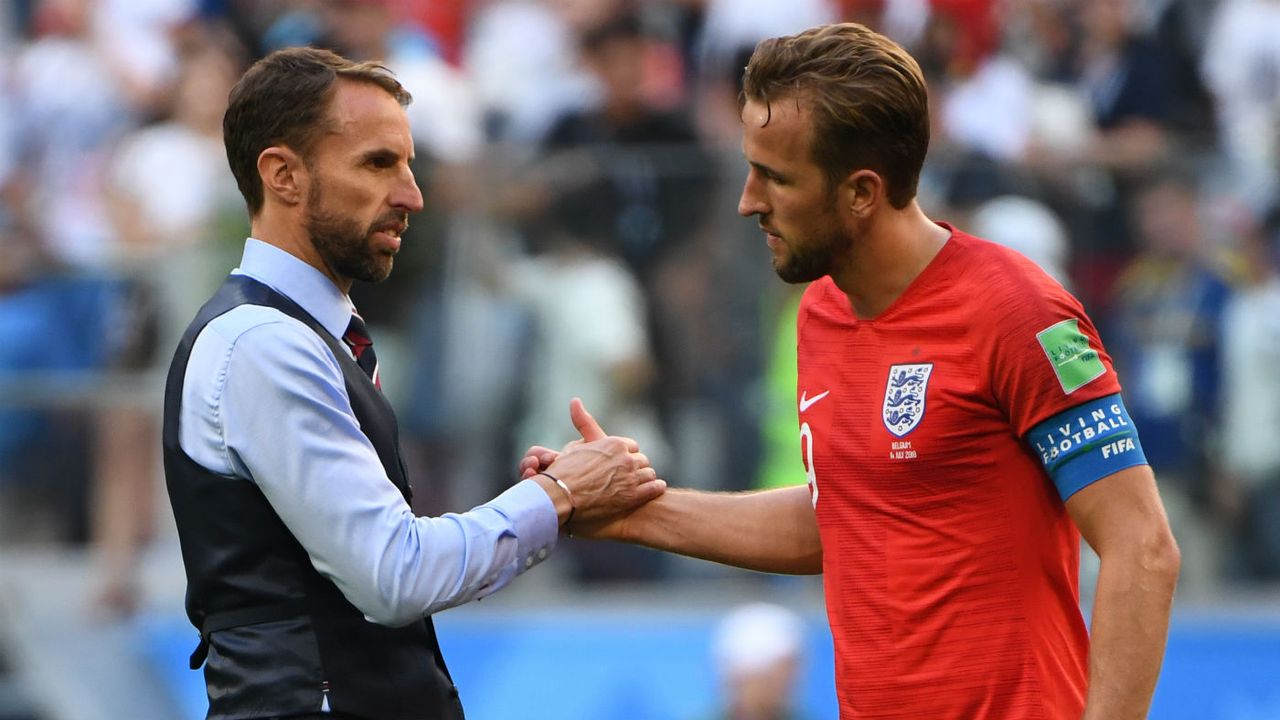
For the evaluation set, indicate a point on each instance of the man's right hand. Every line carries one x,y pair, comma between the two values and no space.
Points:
608,476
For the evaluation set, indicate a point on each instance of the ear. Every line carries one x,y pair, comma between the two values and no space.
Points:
862,192
284,175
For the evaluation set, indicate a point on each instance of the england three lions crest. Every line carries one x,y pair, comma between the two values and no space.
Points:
904,395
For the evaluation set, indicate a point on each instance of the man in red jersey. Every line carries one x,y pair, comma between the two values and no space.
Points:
960,423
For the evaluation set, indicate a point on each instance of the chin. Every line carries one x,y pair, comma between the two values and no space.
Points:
795,275
375,270
380,273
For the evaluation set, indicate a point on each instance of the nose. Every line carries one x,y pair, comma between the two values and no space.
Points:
407,196
750,202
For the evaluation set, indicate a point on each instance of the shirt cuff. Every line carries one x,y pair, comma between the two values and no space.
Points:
533,519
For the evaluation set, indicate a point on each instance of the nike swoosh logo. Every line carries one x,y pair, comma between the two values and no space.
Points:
807,402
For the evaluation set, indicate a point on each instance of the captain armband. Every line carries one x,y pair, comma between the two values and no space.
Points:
1087,443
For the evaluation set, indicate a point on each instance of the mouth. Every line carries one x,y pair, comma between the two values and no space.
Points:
394,229
390,236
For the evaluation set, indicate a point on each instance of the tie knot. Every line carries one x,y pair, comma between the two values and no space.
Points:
357,334
357,338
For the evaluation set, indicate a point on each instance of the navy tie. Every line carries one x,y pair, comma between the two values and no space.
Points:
357,338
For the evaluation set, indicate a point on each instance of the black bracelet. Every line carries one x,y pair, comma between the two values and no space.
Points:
573,507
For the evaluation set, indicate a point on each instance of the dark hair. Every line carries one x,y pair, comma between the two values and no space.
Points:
284,100
623,27
867,96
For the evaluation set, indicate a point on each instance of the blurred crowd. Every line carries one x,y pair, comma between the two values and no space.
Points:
580,161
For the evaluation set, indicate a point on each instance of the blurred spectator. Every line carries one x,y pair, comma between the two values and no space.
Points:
174,217
443,21
758,649
629,179
1165,337
647,191
989,110
729,26
445,115
160,216
43,447
1127,80
1242,70
89,73
1251,408
1027,226
728,34
136,40
1181,28
70,104
973,26
522,58
589,340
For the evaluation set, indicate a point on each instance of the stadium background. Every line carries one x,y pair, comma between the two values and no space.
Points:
581,166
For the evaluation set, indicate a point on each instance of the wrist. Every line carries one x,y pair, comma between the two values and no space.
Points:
561,497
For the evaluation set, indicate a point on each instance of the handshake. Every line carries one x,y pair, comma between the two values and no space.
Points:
595,482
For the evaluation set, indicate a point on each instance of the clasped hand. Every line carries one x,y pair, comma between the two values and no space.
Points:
607,476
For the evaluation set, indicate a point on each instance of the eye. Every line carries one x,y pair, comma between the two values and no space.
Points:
381,161
767,174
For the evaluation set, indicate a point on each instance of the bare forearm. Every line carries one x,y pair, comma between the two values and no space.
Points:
1130,626
769,531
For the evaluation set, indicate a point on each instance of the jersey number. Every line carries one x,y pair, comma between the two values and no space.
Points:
806,446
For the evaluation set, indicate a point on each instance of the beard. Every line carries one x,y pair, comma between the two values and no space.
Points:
814,258
346,247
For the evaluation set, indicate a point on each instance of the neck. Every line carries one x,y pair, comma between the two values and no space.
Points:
292,237
896,247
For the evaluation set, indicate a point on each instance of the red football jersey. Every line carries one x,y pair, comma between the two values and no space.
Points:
950,562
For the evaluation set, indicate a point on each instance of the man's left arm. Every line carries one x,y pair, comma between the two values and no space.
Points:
1123,520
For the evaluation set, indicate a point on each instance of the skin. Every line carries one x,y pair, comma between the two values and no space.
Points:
873,251
850,232
1123,520
342,208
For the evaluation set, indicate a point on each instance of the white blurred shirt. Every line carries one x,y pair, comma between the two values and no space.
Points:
1251,383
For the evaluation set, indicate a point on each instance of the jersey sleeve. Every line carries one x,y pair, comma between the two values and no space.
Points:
1047,357
1056,385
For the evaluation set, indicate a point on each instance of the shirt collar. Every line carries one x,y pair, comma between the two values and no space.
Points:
301,283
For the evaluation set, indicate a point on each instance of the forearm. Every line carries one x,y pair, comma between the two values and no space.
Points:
1130,627
770,531
396,568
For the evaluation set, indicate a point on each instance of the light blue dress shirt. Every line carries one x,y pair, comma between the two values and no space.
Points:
264,400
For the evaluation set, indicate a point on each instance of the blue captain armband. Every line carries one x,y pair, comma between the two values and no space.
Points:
1087,443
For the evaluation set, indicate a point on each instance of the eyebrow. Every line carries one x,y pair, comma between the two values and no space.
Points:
765,169
382,153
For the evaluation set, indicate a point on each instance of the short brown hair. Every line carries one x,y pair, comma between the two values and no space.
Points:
284,100
867,96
